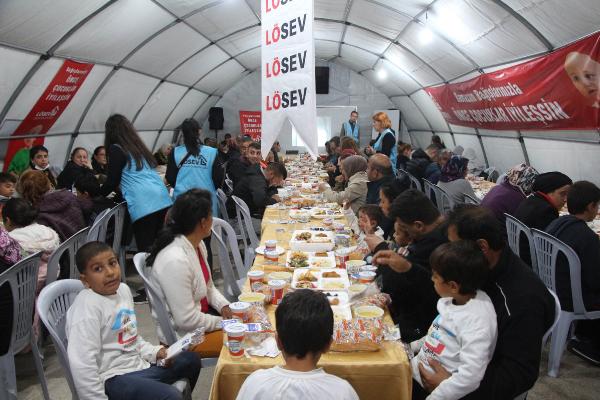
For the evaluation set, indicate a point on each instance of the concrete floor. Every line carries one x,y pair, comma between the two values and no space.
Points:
577,379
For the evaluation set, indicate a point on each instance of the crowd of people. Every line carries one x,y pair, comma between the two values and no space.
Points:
452,278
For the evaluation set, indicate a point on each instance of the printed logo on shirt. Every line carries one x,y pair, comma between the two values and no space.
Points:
126,325
199,161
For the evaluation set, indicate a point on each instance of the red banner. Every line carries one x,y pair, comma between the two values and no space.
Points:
558,91
250,123
50,106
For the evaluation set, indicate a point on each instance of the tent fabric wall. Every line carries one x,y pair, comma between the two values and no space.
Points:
140,73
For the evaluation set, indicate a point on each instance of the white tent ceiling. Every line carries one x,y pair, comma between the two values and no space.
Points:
158,61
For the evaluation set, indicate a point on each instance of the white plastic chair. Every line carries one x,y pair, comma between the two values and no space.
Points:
249,237
438,196
547,249
158,303
70,246
21,279
224,236
414,181
429,190
492,174
514,229
471,200
222,199
99,229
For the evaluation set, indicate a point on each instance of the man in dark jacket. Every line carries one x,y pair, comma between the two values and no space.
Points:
524,310
573,230
408,279
238,163
379,172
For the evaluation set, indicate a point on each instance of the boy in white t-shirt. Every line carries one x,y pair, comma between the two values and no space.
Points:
108,359
304,322
463,336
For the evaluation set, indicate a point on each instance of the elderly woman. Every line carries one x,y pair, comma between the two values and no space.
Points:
506,196
452,180
354,171
78,166
180,267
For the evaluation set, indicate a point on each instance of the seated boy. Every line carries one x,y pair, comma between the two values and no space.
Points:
108,359
88,189
369,219
304,322
7,187
463,335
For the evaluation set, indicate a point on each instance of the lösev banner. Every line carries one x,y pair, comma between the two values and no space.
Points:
50,106
288,71
250,123
558,91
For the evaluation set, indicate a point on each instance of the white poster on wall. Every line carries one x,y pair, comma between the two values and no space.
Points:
288,71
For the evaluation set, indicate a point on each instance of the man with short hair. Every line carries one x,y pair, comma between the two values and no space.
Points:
407,279
379,172
583,200
433,170
524,309
350,128
238,162
275,149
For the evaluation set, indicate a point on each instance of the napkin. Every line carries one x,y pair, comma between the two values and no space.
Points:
267,348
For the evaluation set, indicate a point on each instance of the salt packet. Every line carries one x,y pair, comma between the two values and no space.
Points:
191,339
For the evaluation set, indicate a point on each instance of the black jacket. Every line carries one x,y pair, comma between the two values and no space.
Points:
525,311
373,189
70,174
414,299
417,165
575,233
535,212
236,168
254,190
402,161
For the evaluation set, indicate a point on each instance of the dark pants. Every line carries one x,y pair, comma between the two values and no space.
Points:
146,229
154,382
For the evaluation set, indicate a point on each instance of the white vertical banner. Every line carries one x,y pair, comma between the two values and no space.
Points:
288,71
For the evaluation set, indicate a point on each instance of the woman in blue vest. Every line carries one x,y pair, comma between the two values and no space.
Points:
131,165
385,142
194,166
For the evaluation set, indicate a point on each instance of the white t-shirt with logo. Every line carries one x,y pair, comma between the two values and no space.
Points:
103,340
279,383
462,339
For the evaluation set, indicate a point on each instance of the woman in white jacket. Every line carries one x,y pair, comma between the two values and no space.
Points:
354,171
180,268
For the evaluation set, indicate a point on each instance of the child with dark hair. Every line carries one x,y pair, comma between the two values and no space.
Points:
304,323
370,217
463,335
38,160
108,358
88,189
8,182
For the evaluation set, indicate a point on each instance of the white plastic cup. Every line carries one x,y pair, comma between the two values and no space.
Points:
277,287
271,245
256,280
239,310
235,339
366,277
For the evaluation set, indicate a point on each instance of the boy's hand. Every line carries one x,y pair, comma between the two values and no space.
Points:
161,355
431,380
226,312
392,260
372,241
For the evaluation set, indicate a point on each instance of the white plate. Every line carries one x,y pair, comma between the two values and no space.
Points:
325,284
261,250
320,244
328,213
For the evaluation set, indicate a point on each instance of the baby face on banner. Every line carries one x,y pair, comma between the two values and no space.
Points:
585,76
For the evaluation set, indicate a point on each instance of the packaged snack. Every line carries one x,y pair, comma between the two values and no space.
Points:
357,335
191,339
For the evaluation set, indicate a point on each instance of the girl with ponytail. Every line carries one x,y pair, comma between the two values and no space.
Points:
180,267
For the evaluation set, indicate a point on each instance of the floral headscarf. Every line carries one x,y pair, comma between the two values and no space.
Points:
522,176
454,169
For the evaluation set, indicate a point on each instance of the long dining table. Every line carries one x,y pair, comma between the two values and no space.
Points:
380,375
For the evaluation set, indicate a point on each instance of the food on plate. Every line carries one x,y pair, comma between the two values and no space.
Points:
321,235
298,259
321,254
333,285
320,212
305,285
334,301
307,276
321,263
330,274
303,236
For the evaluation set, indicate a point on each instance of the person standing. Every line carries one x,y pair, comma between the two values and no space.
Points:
350,128
131,165
386,140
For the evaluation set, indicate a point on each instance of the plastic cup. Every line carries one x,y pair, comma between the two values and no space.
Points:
270,245
255,299
277,286
354,266
271,257
371,268
239,310
366,277
256,280
235,339
341,257
368,312
280,276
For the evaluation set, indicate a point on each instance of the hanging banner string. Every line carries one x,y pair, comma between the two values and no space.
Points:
288,72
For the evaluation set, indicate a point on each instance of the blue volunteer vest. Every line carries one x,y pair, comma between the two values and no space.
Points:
196,173
143,190
353,133
379,145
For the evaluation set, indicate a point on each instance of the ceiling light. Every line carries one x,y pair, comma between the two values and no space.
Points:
426,36
382,74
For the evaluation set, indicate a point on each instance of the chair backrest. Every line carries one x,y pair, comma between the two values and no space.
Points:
445,204
69,246
547,249
222,199
227,247
471,200
156,298
118,212
229,185
514,229
22,281
97,226
245,223
557,310
429,190
415,183
52,305
492,174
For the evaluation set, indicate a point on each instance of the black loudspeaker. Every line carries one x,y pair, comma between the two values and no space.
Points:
322,80
215,118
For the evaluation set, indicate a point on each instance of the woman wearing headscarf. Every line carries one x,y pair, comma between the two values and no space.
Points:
476,166
541,208
354,171
505,197
452,180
